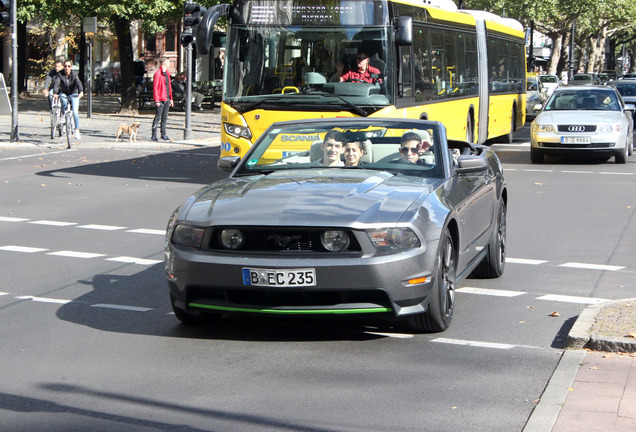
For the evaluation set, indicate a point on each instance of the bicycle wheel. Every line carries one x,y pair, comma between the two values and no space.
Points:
54,121
70,127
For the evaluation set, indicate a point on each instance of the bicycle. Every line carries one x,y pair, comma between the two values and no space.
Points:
62,123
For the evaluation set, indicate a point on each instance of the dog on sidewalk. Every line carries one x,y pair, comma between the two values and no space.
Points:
130,130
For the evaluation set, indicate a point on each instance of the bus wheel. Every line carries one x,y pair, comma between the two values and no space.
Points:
507,138
470,137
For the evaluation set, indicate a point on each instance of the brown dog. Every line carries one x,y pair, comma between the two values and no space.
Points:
130,130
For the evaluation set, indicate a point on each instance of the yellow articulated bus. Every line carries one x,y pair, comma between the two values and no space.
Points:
285,60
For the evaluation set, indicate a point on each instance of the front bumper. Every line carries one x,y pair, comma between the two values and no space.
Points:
204,280
600,143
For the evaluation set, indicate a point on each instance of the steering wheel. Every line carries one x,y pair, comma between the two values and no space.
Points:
355,80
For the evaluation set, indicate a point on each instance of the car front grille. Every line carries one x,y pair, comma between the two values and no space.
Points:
576,128
281,240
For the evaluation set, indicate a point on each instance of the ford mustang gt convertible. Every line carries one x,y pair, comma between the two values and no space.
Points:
340,217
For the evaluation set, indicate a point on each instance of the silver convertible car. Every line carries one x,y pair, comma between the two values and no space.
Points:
326,217
583,120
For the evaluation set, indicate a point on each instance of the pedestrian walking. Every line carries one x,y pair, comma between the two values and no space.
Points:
162,93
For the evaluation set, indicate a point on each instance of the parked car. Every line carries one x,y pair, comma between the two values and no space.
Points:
628,76
536,93
286,234
584,120
549,82
627,89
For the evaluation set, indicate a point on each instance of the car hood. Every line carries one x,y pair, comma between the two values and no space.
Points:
579,117
316,197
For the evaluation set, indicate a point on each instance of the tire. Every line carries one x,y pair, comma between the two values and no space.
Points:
441,305
630,147
509,137
470,137
621,157
54,125
70,127
493,264
536,156
194,319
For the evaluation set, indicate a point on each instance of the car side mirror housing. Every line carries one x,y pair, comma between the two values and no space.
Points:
228,163
471,163
537,107
630,107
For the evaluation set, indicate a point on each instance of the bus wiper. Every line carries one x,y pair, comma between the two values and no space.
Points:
356,108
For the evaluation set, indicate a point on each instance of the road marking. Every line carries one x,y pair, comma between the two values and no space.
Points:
3,293
572,299
44,299
132,260
52,223
525,261
615,173
490,292
75,254
121,307
36,155
11,219
147,231
591,266
474,343
391,335
578,172
22,249
102,227
538,170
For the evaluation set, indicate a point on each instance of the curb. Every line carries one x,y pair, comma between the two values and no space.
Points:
580,335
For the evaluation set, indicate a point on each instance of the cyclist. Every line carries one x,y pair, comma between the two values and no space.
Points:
68,86
50,80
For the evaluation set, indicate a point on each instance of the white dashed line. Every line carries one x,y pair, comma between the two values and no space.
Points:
44,299
591,266
615,173
147,231
102,227
578,172
36,155
490,292
132,260
52,223
525,261
478,344
11,219
23,249
572,299
75,254
121,307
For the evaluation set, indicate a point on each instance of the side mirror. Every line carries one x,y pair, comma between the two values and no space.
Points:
404,34
228,163
537,107
630,107
471,163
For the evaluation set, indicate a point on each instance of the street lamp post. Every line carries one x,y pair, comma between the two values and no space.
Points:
571,60
90,29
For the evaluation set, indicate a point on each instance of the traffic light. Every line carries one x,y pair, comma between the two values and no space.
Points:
191,17
5,13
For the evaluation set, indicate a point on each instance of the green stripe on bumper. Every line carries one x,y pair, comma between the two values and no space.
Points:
292,312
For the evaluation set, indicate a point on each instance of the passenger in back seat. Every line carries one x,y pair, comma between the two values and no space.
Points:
353,151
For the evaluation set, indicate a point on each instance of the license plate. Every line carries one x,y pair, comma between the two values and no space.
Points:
576,140
280,277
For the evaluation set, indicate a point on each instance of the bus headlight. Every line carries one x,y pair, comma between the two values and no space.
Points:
237,131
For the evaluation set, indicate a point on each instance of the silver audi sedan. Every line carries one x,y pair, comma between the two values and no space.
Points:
340,217
583,120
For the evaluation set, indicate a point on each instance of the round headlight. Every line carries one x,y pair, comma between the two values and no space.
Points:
232,239
335,241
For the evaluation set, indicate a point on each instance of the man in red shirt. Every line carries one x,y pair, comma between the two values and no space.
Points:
365,73
162,93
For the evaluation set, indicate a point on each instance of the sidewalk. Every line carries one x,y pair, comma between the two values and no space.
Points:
593,388
101,129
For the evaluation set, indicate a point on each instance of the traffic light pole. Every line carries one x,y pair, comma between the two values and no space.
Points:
14,72
187,133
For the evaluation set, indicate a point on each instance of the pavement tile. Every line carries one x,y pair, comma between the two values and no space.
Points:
625,424
598,389
581,401
584,421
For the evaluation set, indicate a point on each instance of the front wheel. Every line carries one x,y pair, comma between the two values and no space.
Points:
621,157
441,304
54,121
492,266
70,127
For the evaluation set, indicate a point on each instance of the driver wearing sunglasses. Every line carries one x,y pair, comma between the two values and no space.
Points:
412,145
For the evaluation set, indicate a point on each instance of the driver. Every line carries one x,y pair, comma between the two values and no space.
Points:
332,148
364,73
412,145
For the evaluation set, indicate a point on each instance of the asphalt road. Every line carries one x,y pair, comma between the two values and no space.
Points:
89,341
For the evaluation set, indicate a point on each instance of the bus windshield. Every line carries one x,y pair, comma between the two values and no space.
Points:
301,67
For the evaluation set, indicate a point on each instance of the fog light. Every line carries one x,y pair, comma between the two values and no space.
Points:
232,239
335,241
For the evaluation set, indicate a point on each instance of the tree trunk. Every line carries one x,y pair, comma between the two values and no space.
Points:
555,55
128,91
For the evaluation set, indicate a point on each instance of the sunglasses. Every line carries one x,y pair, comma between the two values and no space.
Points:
68,66
361,58
414,150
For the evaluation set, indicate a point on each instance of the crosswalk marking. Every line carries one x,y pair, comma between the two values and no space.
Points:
24,249
102,227
132,260
53,223
75,254
44,299
147,231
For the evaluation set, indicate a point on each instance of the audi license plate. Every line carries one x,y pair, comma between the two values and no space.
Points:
280,277
576,140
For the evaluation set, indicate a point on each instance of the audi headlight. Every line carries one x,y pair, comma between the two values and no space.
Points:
232,238
391,240
237,131
610,128
188,235
542,127
335,241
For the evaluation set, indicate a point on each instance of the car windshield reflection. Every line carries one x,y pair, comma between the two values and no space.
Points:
379,146
584,100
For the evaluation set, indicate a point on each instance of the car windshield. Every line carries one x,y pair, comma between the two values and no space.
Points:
399,148
583,100
626,89
549,79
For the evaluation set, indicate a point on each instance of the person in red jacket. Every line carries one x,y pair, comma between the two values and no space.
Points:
162,93
364,72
